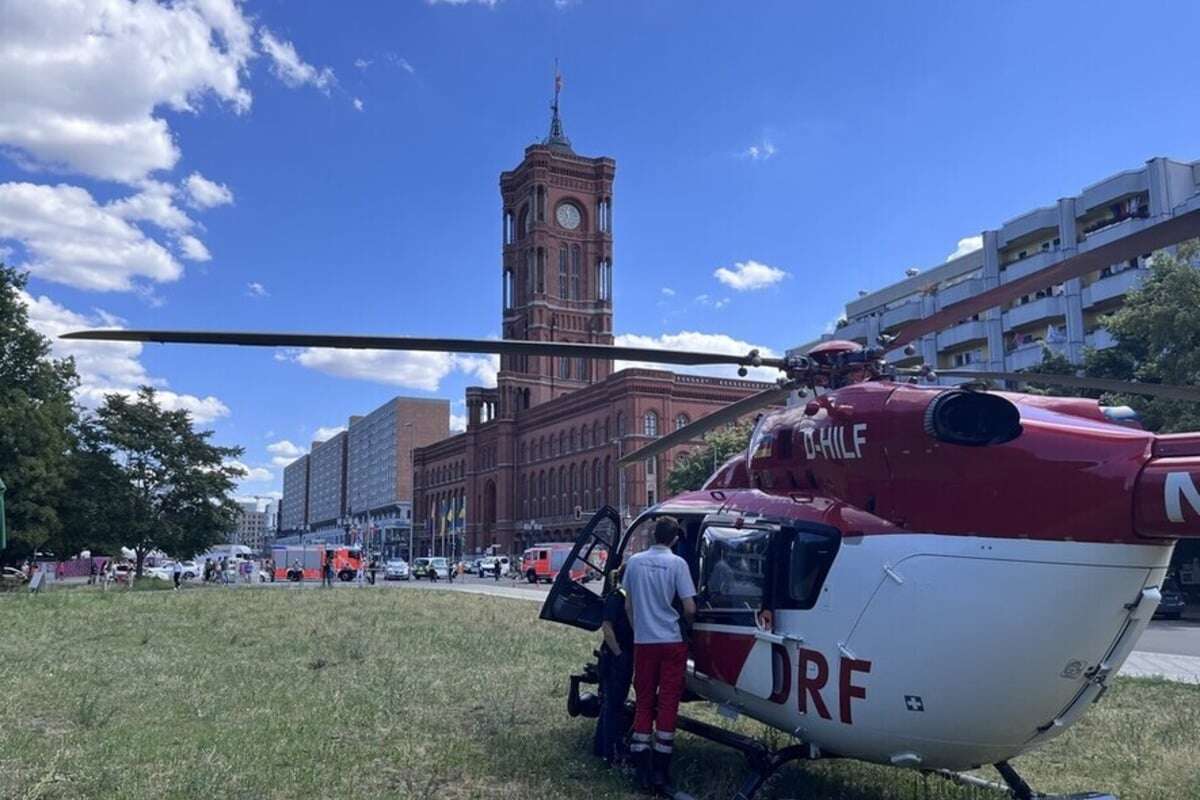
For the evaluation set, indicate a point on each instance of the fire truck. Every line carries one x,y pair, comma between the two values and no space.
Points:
305,562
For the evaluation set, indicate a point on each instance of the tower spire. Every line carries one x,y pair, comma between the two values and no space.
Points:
557,138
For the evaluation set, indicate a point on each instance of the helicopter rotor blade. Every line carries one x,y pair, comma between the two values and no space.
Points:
1153,237
496,346
697,429
1168,391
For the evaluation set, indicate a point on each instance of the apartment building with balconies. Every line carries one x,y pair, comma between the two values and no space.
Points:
1066,317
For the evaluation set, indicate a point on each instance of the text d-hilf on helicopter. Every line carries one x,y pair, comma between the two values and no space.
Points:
951,574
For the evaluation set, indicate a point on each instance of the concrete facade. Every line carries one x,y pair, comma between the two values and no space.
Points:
293,508
327,482
1066,317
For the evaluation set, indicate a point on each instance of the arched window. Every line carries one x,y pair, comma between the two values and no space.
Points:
574,440
571,481
596,433
607,431
509,289
562,442
524,222
564,367
650,424
575,272
681,421
541,270
541,203
562,272
620,424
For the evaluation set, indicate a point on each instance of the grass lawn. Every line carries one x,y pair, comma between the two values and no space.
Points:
413,693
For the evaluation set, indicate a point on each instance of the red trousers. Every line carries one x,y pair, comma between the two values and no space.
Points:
658,675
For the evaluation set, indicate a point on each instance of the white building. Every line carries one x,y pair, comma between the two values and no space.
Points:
1065,317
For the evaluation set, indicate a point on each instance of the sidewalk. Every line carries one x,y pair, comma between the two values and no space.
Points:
1141,664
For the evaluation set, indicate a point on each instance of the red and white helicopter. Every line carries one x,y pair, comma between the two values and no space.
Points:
927,577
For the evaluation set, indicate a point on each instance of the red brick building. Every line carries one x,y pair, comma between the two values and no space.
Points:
540,450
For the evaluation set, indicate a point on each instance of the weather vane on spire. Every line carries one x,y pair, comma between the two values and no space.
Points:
557,138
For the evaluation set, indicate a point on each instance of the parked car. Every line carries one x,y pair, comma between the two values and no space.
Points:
12,578
1173,601
396,570
421,567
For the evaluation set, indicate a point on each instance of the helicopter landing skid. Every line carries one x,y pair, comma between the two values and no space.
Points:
762,760
1014,785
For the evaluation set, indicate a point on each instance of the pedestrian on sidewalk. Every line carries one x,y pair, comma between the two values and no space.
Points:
177,574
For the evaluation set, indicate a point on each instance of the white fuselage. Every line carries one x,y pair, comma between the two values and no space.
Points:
936,651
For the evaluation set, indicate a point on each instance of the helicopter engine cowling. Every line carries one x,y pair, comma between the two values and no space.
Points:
1167,498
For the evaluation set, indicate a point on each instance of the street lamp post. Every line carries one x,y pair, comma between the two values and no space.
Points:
620,443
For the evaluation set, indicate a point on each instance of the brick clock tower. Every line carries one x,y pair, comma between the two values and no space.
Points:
557,267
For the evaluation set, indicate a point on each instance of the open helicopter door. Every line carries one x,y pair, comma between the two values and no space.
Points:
576,596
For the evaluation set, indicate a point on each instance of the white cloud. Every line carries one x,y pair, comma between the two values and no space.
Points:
458,423
702,342
404,65
252,474
748,276
290,68
362,63
410,369
968,245
358,104
109,367
711,302
284,452
80,81
256,289
323,434
762,151
668,291
71,239
204,193
193,249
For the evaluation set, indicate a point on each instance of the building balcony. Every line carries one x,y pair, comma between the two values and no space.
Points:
959,291
1035,311
1029,355
962,334
857,330
1100,339
1113,286
1028,265
900,315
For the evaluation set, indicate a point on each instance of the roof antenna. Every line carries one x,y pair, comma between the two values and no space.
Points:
557,138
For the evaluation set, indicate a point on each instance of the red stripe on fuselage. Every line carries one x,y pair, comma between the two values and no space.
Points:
721,655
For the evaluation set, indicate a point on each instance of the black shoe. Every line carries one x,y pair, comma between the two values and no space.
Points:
661,773
643,771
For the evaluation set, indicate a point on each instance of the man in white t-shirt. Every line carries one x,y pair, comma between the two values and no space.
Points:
653,580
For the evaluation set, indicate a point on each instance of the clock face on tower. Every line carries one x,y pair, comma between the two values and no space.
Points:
568,216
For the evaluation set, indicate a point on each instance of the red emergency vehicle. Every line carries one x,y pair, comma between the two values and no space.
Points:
311,558
542,562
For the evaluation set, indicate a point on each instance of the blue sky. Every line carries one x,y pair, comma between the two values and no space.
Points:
334,167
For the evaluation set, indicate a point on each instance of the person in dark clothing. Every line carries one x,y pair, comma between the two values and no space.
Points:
496,570
374,565
327,570
616,675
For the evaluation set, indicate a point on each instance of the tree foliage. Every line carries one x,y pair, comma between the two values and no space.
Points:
37,419
1157,333
691,470
174,487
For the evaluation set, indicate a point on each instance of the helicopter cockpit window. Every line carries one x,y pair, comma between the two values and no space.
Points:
734,568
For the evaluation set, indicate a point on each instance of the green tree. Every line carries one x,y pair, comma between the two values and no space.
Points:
37,418
174,492
1157,333
691,470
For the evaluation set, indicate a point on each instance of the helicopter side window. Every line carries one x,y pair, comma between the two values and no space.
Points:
810,554
734,568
